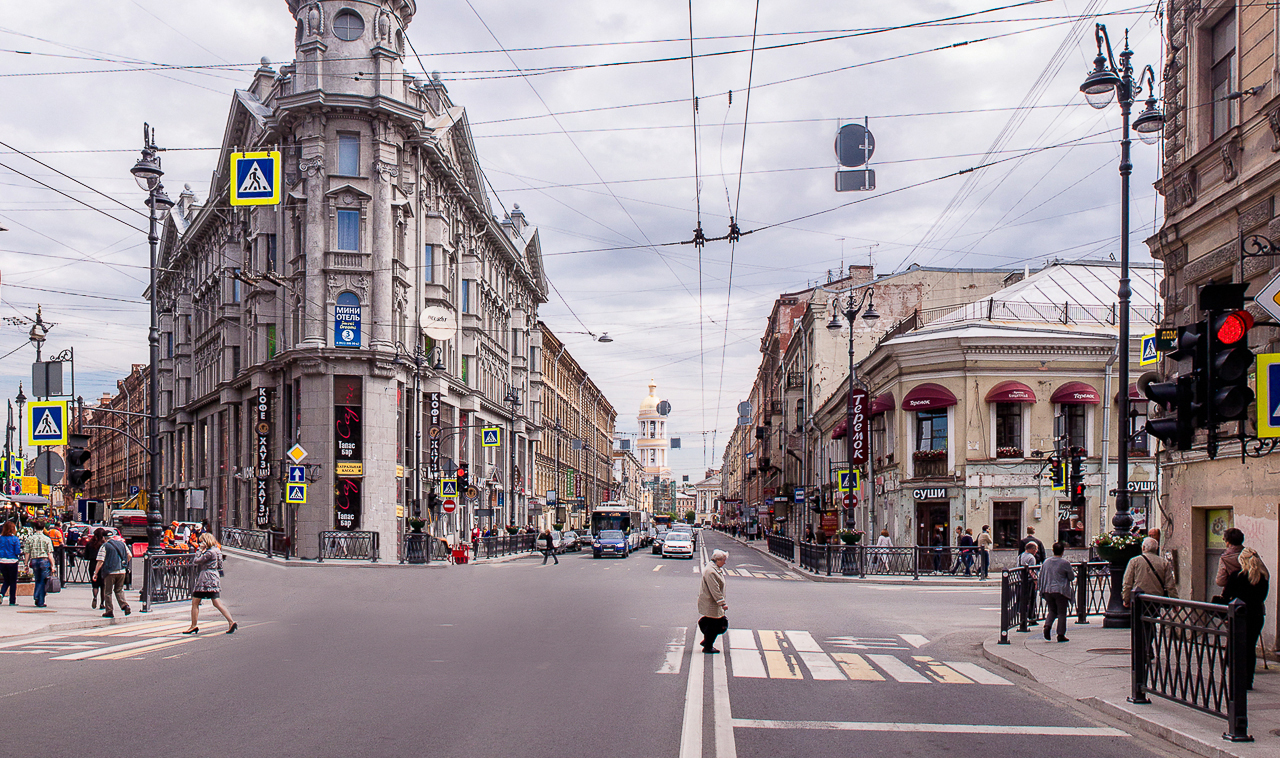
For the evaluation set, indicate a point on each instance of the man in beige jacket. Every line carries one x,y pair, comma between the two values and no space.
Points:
711,602
1149,573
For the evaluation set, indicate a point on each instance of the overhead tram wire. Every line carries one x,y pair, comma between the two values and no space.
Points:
698,236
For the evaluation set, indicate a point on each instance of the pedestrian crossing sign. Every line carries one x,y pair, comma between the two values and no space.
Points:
1269,395
491,436
847,481
255,178
295,493
1150,354
47,423
448,488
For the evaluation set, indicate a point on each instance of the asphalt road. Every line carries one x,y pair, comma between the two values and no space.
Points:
591,657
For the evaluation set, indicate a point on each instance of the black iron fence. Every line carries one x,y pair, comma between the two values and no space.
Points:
72,568
422,548
360,546
1194,654
782,546
1022,607
167,579
269,543
505,544
912,561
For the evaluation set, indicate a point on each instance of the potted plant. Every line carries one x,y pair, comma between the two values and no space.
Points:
929,455
850,536
557,527
1117,548
1008,451
512,529
415,525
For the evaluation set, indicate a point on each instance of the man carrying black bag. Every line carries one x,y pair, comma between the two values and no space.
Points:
711,602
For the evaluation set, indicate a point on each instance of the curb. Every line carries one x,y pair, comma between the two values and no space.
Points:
1182,740
1005,663
93,624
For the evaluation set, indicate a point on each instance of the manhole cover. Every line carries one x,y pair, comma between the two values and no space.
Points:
39,610
1109,650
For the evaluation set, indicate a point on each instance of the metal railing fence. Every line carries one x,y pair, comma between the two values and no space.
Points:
72,568
167,579
362,546
782,546
419,548
1022,606
1190,652
268,543
505,544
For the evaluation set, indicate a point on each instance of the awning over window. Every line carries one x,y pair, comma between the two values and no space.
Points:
1077,393
928,397
841,427
1011,392
1135,395
882,403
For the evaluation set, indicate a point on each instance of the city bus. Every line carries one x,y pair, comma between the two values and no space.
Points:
660,526
619,515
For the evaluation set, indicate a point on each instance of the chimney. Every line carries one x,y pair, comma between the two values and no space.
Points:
517,219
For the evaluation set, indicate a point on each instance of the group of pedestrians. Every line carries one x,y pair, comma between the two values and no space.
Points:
36,548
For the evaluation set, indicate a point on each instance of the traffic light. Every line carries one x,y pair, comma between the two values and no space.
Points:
1077,464
1229,361
1058,473
1178,427
463,483
77,459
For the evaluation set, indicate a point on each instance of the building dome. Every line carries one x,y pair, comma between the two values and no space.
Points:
650,403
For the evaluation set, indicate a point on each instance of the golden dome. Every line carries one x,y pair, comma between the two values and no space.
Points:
650,403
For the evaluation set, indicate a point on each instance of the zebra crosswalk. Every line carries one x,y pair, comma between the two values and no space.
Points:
113,643
796,655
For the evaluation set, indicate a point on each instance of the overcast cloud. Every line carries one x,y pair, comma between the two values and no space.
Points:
612,177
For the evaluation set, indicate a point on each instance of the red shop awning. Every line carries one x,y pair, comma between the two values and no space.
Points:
927,397
1076,393
1011,392
1135,396
882,403
838,431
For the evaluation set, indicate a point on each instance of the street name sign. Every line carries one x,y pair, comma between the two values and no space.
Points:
255,178
295,494
1268,382
47,423
491,436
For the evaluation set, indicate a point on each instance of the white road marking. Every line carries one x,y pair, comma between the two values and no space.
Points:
658,567
31,641
882,726
865,643
691,730
726,745
104,650
674,657
747,660
818,662
914,640
897,669
977,673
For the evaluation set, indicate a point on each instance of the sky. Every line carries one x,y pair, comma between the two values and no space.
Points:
588,115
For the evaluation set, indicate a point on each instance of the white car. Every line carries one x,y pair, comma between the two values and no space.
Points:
678,545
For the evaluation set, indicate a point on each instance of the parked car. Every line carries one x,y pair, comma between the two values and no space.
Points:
611,542
678,544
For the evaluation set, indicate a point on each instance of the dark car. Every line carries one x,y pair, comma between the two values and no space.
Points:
611,542
570,542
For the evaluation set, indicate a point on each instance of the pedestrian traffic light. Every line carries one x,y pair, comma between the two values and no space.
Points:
1077,497
1229,360
77,461
1058,473
463,482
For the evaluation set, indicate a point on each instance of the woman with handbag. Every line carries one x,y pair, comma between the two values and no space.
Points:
208,584
1250,584
91,550
10,553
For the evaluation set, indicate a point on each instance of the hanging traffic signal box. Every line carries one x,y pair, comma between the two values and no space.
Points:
1182,399
77,461
1077,478
1229,359
1058,473
463,482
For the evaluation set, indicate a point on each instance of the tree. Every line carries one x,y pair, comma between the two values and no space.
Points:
689,516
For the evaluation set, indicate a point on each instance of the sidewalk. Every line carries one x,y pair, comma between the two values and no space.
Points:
70,609
1093,669
926,579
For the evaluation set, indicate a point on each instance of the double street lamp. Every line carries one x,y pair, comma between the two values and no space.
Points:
852,309
1105,81
147,173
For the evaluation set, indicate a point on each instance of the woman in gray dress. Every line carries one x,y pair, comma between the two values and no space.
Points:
208,584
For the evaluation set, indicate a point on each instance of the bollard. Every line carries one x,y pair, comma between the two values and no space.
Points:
1082,592
1004,607
1137,651
1238,702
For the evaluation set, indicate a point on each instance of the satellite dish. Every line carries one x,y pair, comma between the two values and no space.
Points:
439,323
664,408
854,145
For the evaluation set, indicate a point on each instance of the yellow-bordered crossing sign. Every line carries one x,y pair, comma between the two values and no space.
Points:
46,423
255,178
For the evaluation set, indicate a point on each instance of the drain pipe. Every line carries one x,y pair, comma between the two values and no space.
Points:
1106,440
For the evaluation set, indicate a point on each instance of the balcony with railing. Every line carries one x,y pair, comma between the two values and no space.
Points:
929,463
795,380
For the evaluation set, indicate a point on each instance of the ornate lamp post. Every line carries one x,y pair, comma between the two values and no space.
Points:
147,173
1105,81
513,399
851,312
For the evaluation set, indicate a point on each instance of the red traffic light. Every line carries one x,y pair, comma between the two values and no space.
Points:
1234,326
462,472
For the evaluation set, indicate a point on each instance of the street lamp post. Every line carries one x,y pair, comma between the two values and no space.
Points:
851,312
147,173
1107,80
21,400
512,399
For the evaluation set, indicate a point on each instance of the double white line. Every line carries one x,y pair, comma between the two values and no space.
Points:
691,731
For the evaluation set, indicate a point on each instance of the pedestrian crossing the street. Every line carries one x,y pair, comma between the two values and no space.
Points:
113,643
796,655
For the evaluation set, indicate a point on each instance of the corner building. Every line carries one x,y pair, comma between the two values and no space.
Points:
298,322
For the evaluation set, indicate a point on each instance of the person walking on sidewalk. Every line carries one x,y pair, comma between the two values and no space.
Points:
548,547
1055,587
208,585
711,602
40,560
92,556
1148,572
984,551
1250,584
882,557
1031,539
10,552
113,567
1229,563
964,541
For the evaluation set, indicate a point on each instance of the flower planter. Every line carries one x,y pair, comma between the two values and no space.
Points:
1118,555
